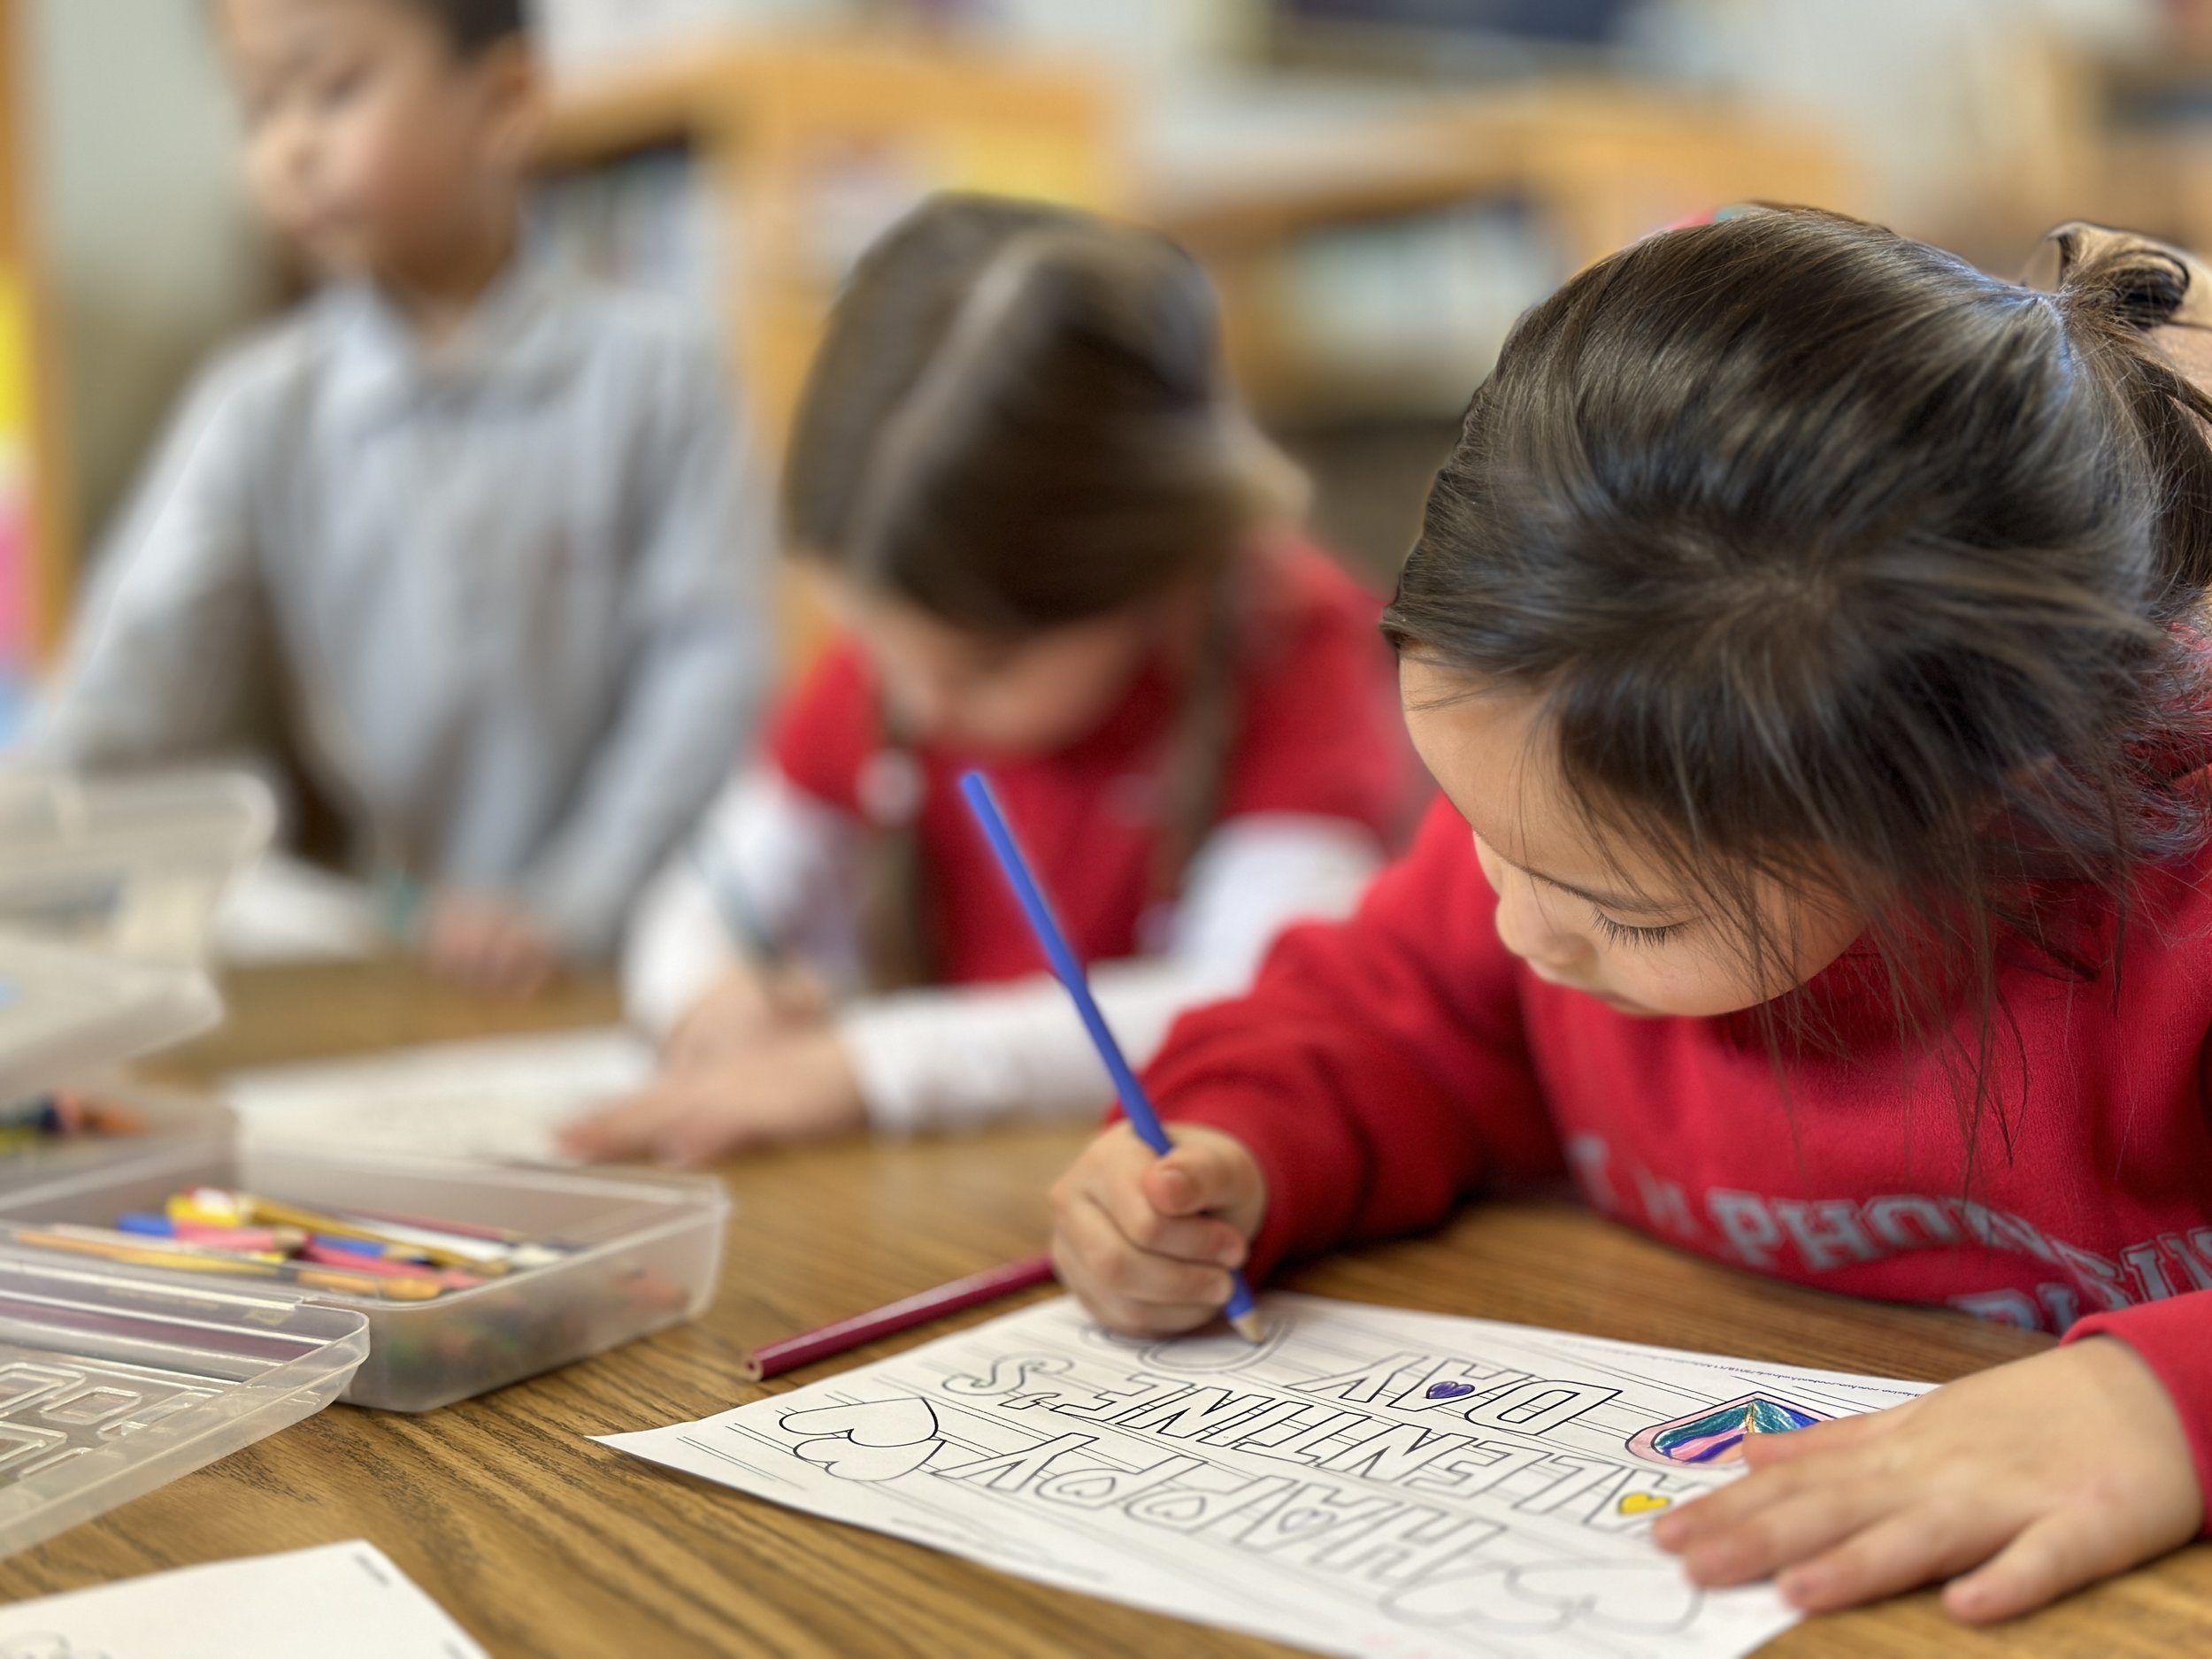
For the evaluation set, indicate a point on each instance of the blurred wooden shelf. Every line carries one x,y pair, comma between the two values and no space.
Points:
775,127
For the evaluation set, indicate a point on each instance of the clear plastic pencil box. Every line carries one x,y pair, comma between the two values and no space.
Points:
131,863
115,1379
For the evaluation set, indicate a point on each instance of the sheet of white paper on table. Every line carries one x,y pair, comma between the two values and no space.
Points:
283,909
338,1601
1368,1481
500,1098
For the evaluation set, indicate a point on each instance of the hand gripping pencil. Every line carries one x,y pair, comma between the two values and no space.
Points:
1136,1105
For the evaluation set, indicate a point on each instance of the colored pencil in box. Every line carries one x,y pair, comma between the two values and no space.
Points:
131,1250
1136,1105
846,1334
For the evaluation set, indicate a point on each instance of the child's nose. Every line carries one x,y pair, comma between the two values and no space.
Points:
1527,930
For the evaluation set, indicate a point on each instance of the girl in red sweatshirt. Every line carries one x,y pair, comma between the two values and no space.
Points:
1056,545
1807,628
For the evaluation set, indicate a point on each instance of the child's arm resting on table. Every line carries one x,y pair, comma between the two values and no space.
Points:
917,1059
743,1039
767,858
166,648
1376,1074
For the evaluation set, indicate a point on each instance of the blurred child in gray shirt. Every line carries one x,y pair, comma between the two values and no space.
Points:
479,530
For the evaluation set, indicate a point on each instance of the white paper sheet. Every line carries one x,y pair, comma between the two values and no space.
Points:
503,1098
1370,1481
339,1601
281,910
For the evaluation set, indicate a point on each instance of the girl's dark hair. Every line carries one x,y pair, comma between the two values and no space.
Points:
474,26
1016,421
1834,559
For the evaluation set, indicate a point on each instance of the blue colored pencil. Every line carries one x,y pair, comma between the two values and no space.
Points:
1135,1104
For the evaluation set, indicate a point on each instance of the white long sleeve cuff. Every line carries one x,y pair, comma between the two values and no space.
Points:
959,1057
767,853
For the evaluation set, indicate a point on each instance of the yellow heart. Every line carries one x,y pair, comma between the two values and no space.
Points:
1643,1503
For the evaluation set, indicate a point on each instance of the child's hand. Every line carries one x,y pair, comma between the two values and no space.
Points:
796,1087
731,1015
1147,1243
488,944
2031,1480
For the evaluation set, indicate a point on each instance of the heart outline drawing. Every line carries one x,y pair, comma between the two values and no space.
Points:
867,1440
1638,1596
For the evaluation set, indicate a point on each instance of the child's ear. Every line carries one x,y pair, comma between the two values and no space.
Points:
513,88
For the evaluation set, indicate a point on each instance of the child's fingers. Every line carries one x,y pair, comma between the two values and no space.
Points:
703,1127
1720,1512
1120,1269
1930,1540
625,1129
2059,1552
1123,1314
1837,1434
1209,1173
1185,1238
1792,1530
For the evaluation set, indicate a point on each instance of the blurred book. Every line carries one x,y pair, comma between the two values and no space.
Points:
503,1099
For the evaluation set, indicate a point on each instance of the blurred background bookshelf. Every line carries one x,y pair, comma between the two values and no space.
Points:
1379,187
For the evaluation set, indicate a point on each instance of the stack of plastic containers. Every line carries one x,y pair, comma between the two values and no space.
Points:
115,1376
133,864
111,1385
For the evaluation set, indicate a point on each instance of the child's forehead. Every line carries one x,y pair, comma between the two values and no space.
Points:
1491,752
275,28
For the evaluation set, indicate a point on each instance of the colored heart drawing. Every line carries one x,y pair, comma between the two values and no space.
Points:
868,1423
1642,1502
1715,1435
1451,1390
1639,1596
841,1457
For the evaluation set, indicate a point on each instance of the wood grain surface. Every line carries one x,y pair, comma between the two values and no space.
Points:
543,1543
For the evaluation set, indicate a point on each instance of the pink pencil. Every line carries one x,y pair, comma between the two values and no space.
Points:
976,1288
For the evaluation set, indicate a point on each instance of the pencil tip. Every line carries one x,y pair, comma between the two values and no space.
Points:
1248,1326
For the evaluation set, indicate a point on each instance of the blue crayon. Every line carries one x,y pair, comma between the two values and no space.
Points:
1135,1104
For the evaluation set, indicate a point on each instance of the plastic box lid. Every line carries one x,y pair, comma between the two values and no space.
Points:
112,1385
134,863
65,1011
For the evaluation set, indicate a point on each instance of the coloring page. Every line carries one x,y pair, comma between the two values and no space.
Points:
498,1098
340,1601
1367,1481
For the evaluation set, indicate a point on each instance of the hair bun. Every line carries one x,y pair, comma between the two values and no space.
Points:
2130,278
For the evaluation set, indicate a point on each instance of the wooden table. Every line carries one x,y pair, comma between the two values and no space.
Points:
545,1544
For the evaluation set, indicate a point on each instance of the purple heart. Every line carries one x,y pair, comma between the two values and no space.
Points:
1451,1390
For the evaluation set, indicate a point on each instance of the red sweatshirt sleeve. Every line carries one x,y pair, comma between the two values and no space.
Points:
827,725
1378,1069
2174,1338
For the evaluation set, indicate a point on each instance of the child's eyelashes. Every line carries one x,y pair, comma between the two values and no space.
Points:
1622,933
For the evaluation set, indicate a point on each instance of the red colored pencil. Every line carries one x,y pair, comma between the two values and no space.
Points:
846,1334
